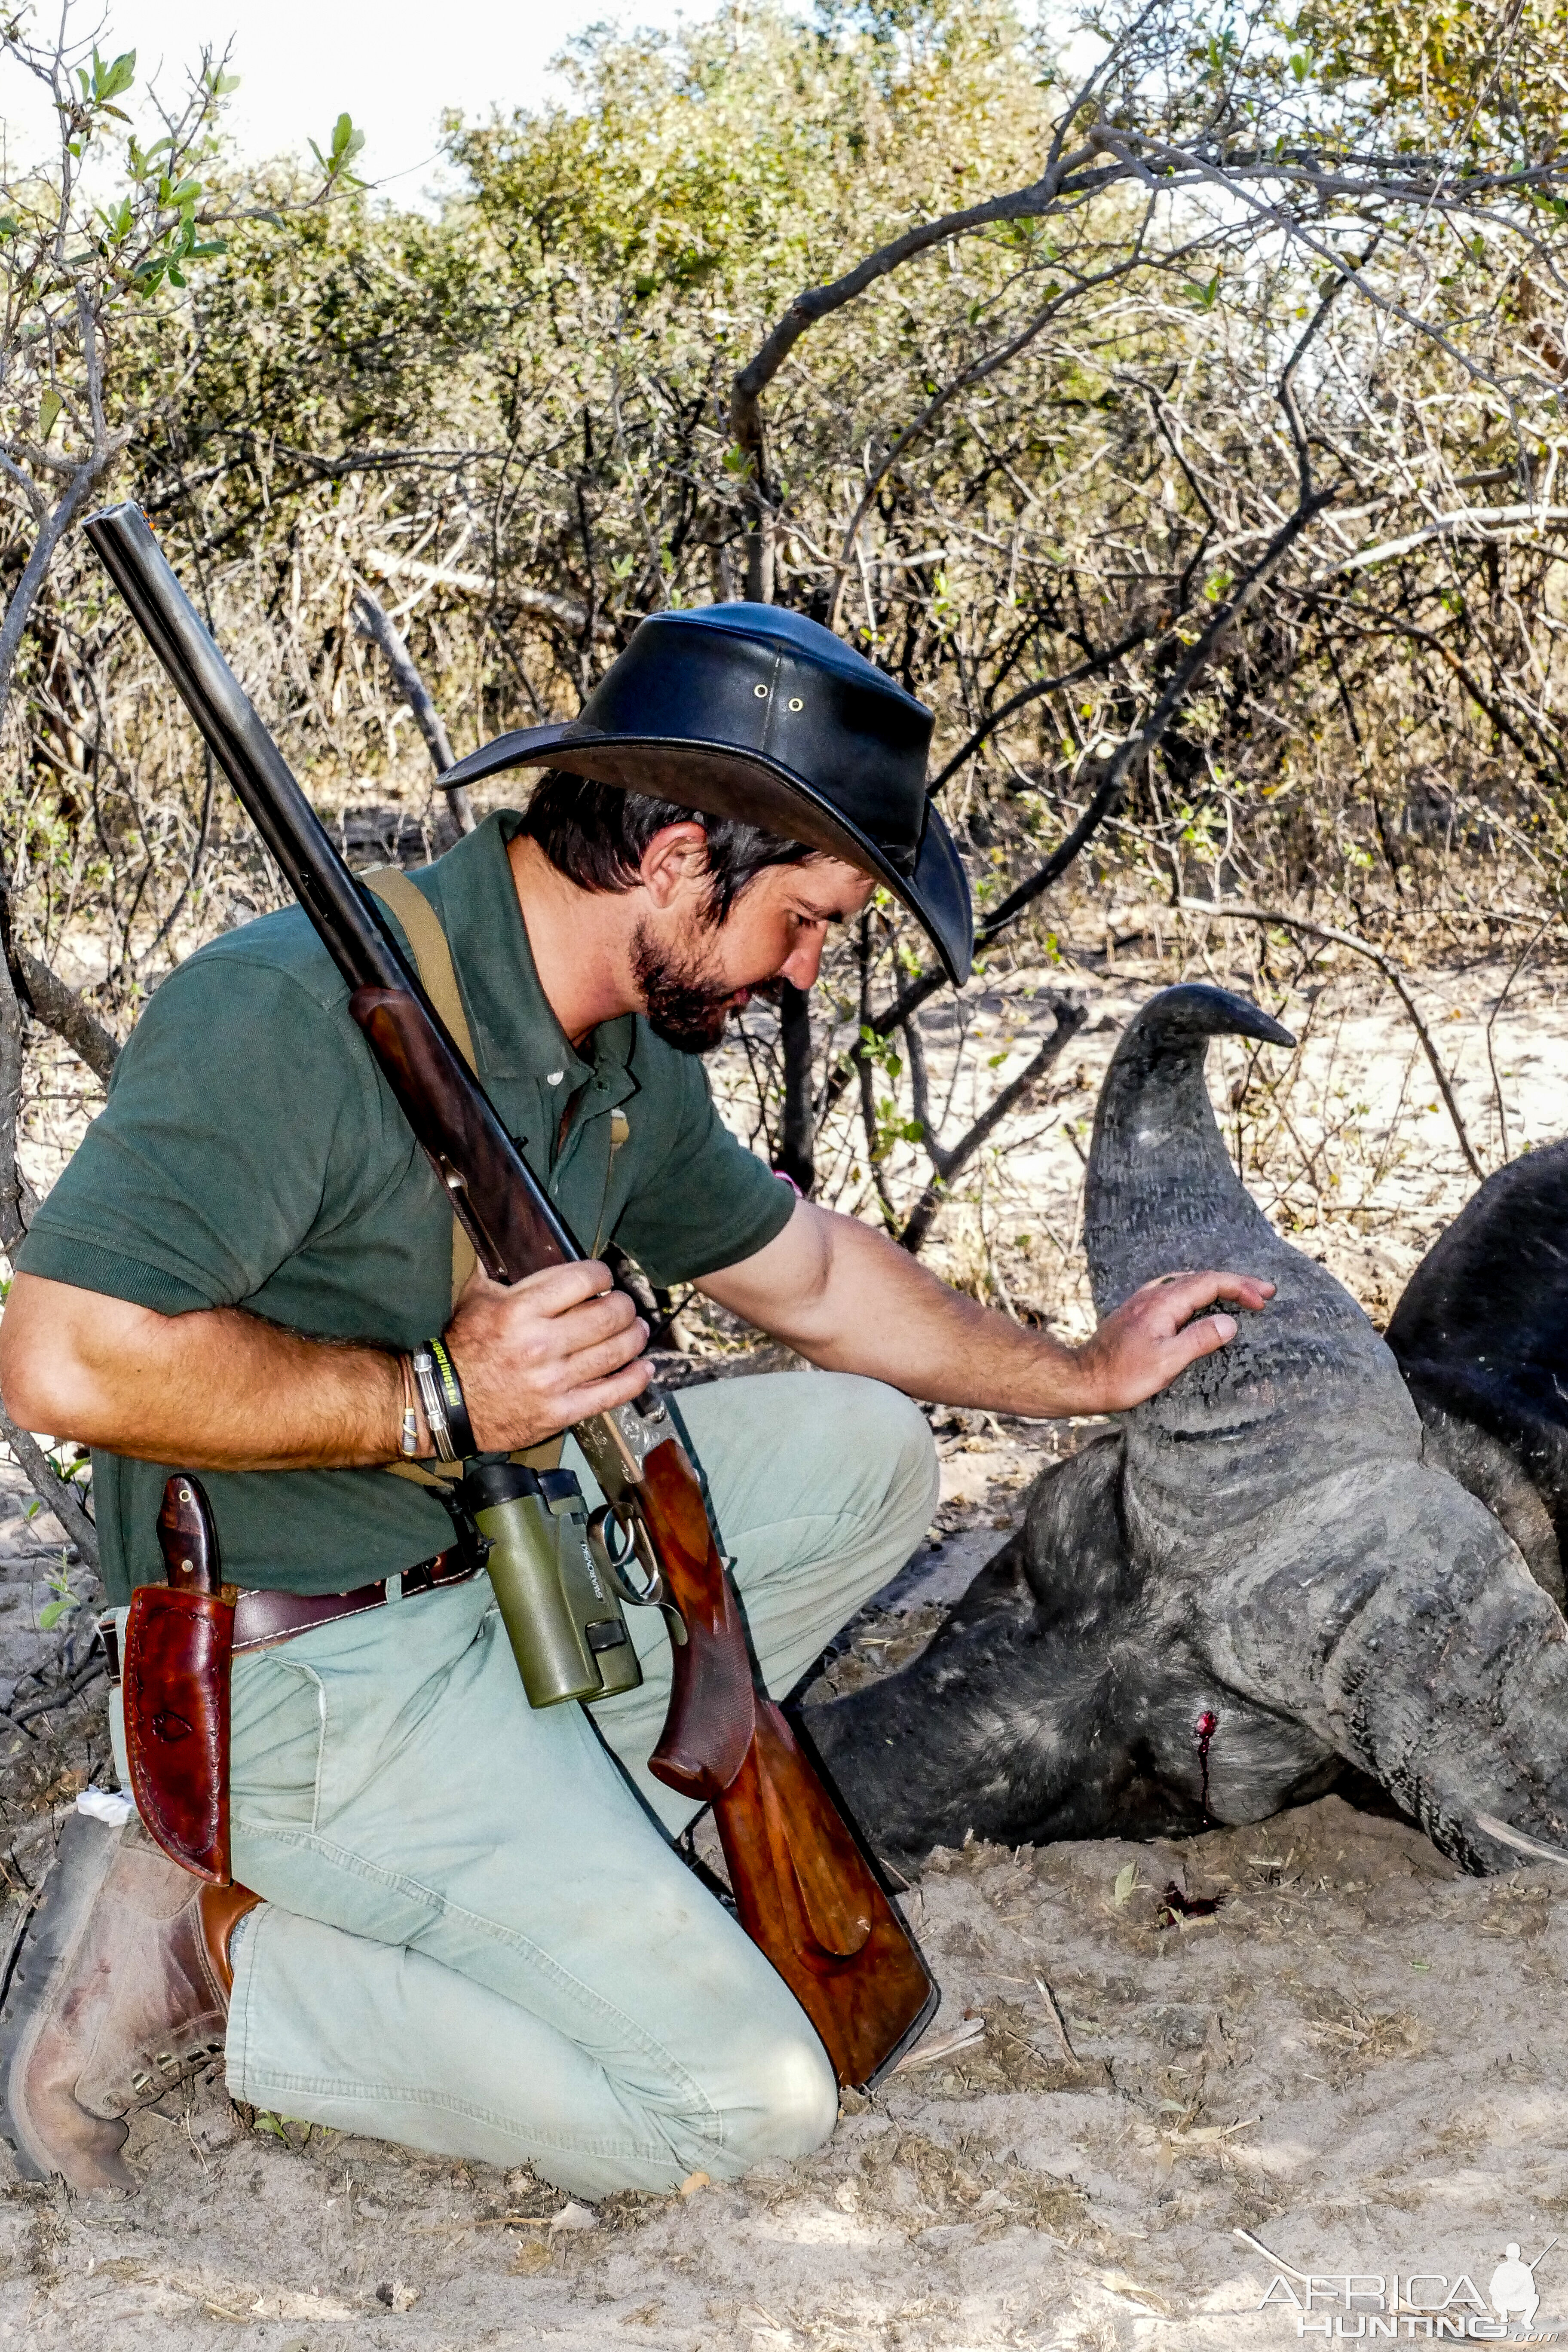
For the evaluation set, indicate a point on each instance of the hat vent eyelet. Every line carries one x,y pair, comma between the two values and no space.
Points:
761,692
796,703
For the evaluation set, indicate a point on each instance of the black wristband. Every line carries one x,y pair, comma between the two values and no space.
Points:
453,1399
427,1382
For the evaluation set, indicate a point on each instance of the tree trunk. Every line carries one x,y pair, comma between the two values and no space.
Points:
797,1145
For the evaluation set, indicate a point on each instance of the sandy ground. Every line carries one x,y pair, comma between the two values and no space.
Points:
1355,2058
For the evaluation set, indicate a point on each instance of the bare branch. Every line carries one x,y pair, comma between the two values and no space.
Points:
565,609
1095,666
60,1008
1526,952
976,373
1229,912
819,302
18,612
1182,681
1069,1018
51,1489
15,1197
1447,526
372,621
1107,795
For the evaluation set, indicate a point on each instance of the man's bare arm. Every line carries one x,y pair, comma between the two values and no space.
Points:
852,1301
219,1390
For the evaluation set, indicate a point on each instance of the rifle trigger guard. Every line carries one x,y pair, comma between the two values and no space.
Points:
613,1558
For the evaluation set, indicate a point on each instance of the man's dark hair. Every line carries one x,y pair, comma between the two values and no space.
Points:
595,834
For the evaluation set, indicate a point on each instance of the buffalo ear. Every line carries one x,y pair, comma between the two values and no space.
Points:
1073,1547
1481,1332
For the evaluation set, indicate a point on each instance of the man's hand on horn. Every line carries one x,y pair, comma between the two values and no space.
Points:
1158,1333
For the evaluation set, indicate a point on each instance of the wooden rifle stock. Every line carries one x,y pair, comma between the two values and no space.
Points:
805,1893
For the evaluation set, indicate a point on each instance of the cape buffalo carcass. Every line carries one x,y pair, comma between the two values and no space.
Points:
1294,1561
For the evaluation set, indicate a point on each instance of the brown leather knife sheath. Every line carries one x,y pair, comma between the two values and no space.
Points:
178,1643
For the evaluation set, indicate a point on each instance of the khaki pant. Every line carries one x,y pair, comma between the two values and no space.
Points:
477,1938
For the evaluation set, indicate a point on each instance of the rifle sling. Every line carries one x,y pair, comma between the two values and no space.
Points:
427,944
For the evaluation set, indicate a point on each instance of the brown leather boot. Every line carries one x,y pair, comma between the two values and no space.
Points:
120,1991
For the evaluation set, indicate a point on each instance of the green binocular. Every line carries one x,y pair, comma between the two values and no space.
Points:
558,1584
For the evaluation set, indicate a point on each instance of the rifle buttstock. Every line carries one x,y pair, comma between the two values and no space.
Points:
806,1894
810,1900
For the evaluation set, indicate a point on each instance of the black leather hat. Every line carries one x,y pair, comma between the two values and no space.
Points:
750,711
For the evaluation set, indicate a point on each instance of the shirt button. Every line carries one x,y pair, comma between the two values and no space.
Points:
554,1077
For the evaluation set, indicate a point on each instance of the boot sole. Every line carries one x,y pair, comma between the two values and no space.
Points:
48,1943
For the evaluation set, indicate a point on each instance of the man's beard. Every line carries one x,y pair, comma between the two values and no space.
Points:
684,1008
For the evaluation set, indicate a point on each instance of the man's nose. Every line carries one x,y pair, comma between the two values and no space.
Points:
804,964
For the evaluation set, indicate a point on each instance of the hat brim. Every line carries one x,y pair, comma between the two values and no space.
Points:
723,780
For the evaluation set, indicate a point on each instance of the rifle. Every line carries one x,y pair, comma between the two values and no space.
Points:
805,1890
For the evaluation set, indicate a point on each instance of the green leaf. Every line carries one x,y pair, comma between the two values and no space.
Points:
346,144
221,84
1126,1880
108,82
51,1614
270,2123
49,408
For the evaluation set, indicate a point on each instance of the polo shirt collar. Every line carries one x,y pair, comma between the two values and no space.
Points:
516,1033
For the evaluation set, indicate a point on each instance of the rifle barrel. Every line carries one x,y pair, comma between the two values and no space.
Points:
351,930
346,918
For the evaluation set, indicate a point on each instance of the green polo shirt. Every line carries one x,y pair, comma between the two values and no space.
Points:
251,1155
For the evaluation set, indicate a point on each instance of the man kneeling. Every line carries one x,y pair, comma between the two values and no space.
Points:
463,1924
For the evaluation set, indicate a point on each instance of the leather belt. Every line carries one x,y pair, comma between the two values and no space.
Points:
264,1619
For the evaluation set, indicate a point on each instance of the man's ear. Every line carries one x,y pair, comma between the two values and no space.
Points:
674,866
